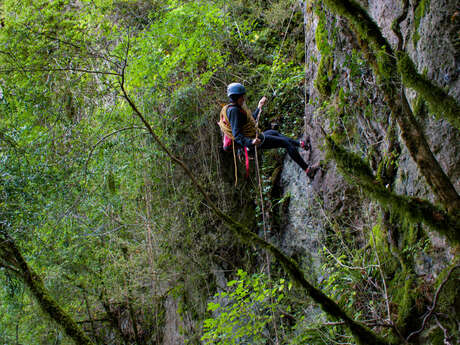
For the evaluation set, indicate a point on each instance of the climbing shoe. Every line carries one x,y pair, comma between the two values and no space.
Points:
311,171
305,145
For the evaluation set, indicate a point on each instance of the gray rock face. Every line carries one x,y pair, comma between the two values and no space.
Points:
313,203
301,235
434,53
430,44
384,12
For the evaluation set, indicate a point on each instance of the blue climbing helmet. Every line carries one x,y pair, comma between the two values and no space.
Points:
235,89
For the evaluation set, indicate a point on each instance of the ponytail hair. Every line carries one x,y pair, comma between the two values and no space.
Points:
244,108
234,98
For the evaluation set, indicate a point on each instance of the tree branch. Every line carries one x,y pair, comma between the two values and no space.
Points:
44,299
447,338
361,333
416,210
68,69
434,304
439,102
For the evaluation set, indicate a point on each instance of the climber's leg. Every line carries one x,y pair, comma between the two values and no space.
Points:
278,140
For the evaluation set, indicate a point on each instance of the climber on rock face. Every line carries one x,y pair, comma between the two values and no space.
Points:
239,125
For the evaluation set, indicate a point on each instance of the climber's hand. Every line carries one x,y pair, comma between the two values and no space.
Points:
256,142
262,102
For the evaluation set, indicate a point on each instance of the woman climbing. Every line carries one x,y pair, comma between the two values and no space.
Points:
237,124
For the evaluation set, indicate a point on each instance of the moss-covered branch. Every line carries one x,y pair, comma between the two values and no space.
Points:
362,334
380,55
396,25
415,210
44,299
439,102
363,24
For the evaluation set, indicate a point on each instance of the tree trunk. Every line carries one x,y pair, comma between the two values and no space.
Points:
46,302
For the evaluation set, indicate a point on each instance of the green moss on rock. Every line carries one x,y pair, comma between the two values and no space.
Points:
439,102
322,82
415,210
384,64
405,301
420,12
324,75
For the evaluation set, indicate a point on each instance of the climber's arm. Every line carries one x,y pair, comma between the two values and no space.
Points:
237,121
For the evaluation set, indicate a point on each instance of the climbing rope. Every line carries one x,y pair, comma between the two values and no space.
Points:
269,85
262,204
262,208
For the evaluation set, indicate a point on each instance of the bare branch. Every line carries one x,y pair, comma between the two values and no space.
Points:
447,338
395,26
9,267
68,69
371,323
346,266
94,320
338,323
91,53
433,305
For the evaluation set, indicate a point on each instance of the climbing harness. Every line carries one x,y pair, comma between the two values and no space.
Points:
249,130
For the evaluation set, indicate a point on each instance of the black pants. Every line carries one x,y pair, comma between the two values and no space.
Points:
273,139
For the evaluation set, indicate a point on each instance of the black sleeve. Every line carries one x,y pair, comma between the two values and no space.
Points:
255,113
237,121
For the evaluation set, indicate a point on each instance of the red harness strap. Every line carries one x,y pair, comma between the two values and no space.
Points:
246,155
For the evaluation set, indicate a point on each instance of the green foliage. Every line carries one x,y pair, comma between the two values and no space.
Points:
73,214
242,314
110,224
184,47
347,280
285,79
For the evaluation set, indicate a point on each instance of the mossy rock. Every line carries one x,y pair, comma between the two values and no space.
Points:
322,82
420,11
